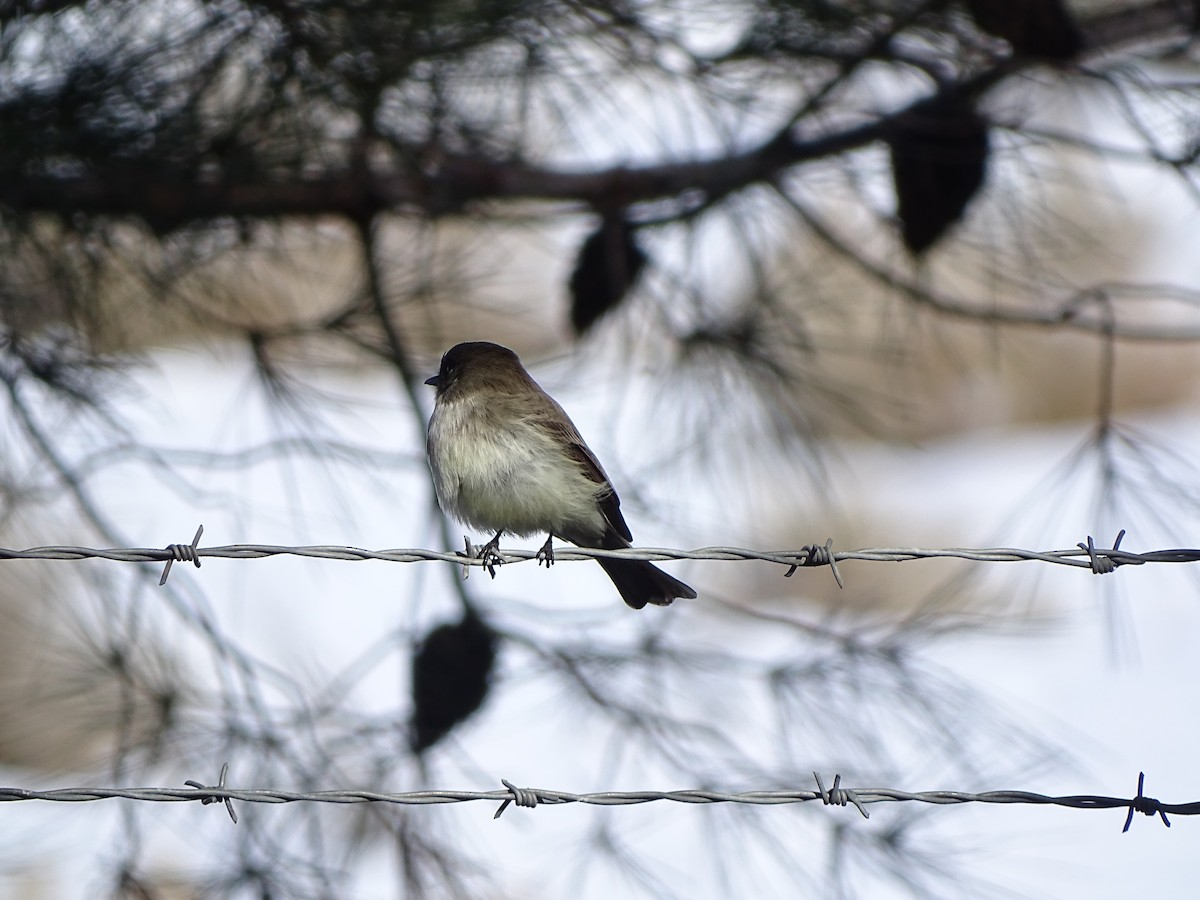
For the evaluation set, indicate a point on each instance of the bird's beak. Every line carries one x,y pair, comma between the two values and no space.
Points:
432,380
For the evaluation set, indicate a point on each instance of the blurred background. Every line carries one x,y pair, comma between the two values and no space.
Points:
899,273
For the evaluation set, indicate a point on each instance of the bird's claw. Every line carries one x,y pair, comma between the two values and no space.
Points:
489,554
491,558
546,554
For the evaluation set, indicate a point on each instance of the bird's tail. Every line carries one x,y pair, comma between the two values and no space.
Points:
640,582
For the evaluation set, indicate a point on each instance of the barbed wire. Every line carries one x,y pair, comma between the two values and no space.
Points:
531,797
1087,555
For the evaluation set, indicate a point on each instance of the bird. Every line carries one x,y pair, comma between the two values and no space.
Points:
506,458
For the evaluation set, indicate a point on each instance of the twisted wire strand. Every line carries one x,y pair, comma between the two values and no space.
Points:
1084,555
530,797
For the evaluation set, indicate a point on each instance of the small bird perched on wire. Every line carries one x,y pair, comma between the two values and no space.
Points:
506,458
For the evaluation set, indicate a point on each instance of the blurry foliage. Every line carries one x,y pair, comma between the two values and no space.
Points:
939,162
607,267
451,676
1042,28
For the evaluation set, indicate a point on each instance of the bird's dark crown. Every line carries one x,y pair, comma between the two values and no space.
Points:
478,357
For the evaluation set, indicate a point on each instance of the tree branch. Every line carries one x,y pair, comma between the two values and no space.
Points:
169,198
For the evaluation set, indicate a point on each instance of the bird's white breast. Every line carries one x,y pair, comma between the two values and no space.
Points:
497,471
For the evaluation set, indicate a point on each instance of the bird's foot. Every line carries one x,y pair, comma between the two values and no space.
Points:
546,554
489,553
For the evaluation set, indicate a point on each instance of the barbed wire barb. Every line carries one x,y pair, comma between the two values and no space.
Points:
1102,565
520,796
181,553
204,801
817,555
468,552
1147,806
837,796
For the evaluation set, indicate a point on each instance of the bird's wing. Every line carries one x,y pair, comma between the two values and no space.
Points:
610,503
